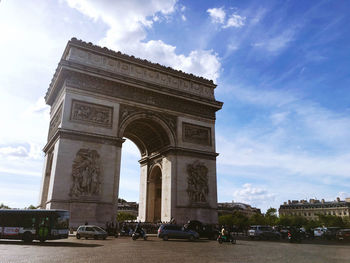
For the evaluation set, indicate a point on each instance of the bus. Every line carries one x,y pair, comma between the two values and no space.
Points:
32,224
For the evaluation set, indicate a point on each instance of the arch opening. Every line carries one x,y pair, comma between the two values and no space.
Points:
154,195
148,133
151,135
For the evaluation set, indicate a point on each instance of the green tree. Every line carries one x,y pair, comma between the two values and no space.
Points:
331,220
123,216
240,221
257,219
31,207
284,221
2,206
271,216
226,220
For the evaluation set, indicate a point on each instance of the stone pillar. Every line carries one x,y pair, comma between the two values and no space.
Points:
86,160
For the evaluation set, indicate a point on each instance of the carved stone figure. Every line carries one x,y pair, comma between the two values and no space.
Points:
86,174
197,180
91,113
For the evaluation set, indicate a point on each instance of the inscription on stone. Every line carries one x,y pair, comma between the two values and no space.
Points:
116,66
197,180
55,121
196,134
90,113
86,174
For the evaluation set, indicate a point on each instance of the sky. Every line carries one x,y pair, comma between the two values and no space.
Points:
282,69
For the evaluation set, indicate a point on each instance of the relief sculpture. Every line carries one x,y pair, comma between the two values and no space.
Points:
91,113
196,134
86,174
197,180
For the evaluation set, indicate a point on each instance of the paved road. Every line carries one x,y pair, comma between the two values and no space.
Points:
155,250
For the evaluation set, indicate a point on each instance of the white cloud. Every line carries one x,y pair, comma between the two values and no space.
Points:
217,15
279,117
276,43
40,106
235,21
9,151
249,194
128,21
343,195
249,152
17,152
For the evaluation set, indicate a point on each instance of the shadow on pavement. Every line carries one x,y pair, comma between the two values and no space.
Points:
48,244
304,242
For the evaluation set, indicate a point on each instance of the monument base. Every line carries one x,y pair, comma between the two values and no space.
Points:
82,212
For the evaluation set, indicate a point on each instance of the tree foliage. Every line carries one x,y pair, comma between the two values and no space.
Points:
123,216
2,206
270,218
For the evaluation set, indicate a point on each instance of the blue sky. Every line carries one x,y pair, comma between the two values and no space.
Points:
282,70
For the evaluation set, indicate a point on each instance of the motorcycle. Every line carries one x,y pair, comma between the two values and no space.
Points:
140,234
229,238
294,236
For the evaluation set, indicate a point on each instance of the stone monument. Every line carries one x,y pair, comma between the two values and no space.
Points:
98,97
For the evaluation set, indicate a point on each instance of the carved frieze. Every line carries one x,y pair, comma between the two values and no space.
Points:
197,180
139,72
196,134
90,113
55,121
86,174
143,96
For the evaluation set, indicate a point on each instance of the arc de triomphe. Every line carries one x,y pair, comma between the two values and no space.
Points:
97,98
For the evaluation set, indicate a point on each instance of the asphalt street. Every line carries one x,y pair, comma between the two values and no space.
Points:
123,249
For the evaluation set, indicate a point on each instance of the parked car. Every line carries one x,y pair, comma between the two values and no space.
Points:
343,234
319,231
167,231
204,230
91,231
263,232
331,232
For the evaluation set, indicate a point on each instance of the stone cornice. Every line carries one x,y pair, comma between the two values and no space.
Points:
82,136
82,44
67,68
106,63
151,97
180,151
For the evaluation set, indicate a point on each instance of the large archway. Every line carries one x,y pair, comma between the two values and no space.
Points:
154,195
98,98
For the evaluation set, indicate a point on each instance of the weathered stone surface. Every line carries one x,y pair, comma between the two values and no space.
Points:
98,97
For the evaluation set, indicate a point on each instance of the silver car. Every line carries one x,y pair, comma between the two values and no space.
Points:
91,231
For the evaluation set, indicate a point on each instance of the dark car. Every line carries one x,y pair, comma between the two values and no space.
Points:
263,232
343,234
204,230
331,232
167,231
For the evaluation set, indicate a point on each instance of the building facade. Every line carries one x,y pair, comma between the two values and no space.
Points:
231,207
312,208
